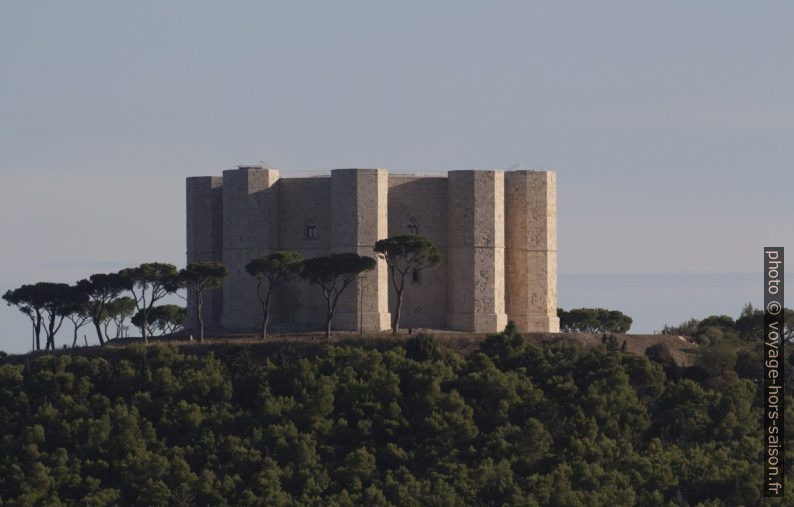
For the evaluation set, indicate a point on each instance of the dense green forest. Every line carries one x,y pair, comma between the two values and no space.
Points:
385,422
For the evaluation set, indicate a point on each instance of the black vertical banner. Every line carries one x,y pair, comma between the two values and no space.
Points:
774,365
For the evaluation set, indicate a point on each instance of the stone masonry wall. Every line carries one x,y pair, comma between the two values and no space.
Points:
475,248
204,234
358,220
250,218
302,202
421,202
531,204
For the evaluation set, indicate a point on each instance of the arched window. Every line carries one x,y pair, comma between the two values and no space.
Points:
310,229
413,226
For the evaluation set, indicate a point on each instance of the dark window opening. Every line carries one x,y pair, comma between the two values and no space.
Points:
415,275
413,226
311,231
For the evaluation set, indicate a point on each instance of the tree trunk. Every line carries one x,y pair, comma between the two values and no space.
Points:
266,314
51,334
145,316
328,325
396,325
98,331
199,304
38,330
329,317
143,328
265,302
399,290
74,343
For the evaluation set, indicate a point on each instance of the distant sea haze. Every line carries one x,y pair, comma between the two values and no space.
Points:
656,299
658,280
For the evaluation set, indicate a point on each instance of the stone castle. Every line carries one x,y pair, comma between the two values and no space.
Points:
496,229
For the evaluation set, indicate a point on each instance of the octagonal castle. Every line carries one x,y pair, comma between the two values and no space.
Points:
496,229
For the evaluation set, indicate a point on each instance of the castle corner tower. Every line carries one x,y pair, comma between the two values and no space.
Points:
531,260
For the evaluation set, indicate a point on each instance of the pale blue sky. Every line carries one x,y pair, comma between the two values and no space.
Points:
670,124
